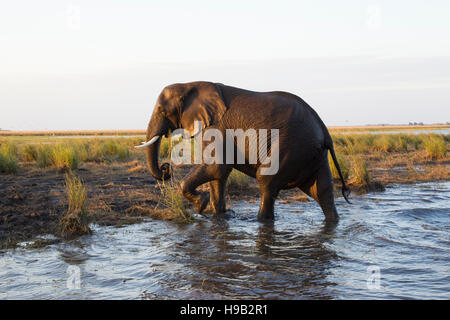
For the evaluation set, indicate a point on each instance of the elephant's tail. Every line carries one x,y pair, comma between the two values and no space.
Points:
345,189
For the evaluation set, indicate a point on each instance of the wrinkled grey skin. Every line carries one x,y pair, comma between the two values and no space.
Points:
304,142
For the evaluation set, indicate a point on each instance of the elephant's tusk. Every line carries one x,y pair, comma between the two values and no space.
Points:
146,144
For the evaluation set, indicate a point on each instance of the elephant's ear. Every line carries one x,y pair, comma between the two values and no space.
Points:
203,102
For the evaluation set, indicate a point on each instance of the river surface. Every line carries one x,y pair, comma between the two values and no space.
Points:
389,245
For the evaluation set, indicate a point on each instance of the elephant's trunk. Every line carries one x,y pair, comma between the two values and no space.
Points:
157,127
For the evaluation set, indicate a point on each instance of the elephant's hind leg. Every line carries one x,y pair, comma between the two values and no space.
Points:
320,188
268,196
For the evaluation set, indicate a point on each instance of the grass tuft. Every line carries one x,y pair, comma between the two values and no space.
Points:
343,164
8,158
238,180
75,222
64,157
29,153
173,202
435,146
359,172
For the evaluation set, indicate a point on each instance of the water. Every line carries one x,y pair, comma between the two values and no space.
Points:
403,233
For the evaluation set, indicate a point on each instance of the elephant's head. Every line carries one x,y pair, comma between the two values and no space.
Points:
179,106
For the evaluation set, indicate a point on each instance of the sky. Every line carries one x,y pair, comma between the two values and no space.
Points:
98,64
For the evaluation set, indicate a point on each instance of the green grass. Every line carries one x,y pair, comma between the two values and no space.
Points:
435,146
343,164
75,222
238,180
64,156
359,172
8,158
29,153
68,154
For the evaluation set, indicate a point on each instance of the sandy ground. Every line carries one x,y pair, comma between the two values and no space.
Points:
33,201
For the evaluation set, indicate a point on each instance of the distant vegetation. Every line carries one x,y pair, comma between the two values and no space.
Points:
435,145
351,149
64,155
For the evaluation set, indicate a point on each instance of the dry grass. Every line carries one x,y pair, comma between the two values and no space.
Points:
172,202
76,221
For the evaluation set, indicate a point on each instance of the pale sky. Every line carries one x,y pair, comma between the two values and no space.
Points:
98,64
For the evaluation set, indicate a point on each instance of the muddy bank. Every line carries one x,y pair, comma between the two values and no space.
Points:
33,201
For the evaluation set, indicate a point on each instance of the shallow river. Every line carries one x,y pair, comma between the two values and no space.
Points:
394,244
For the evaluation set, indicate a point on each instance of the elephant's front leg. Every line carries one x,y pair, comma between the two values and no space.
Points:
217,195
197,177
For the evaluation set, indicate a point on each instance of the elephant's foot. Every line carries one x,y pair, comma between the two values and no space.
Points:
225,215
266,215
201,202
218,208
332,218
266,208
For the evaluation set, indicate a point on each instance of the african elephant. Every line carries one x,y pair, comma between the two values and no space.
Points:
303,141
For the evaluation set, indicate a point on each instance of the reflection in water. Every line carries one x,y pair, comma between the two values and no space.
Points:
404,232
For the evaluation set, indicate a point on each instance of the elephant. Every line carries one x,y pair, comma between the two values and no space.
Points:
304,142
